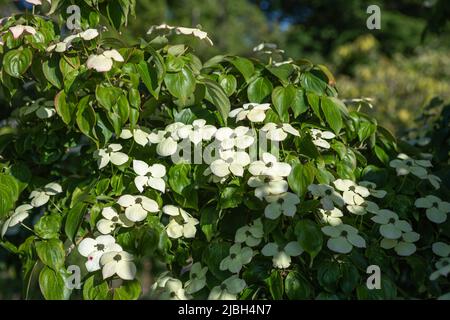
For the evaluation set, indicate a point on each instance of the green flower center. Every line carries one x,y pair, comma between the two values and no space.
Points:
115,219
223,286
100,247
328,192
194,276
233,255
117,257
391,220
138,200
344,233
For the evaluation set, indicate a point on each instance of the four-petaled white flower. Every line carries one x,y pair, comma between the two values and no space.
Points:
182,223
93,249
230,162
228,290
110,154
169,288
404,246
443,269
254,112
139,136
436,209
319,138
238,257
405,165
240,138
202,35
251,234
41,196
372,187
197,132
17,31
151,176
19,214
279,132
197,278
137,207
363,207
285,203
269,166
343,237
166,140
441,249
332,217
282,256
65,44
391,225
104,62
111,219
118,262
328,196
353,194
37,2
266,185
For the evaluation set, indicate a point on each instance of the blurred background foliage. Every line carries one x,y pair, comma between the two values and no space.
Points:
401,67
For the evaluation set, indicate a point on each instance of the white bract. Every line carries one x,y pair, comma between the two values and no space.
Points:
238,257
269,166
328,196
230,162
441,249
285,203
436,209
391,225
362,208
405,165
138,135
110,154
240,138
404,246
197,278
251,234
111,220
93,249
64,45
19,30
252,111
197,132
151,176
319,138
372,187
331,217
182,223
282,255
266,185
171,289
202,35
343,237
118,262
42,196
228,290
19,214
104,62
443,269
137,207
353,194
166,140
279,132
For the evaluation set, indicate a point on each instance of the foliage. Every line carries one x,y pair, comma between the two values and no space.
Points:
88,173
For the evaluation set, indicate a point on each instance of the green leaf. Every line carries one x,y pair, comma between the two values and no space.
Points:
16,62
275,283
314,102
180,84
107,97
309,236
51,252
282,72
301,176
350,278
48,226
149,78
297,287
95,288
228,83
9,193
129,290
209,218
74,220
213,254
244,66
259,89
86,118
300,103
282,99
52,72
179,177
332,113
230,197
52,285
310,82
216,95
328,275
64,109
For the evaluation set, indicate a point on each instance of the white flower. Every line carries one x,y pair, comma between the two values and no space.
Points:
118,262
437,209
104,62
110,154
41,196
137,207
151,176
186,226
269,166
111,219
403,247
197,278
285,203
343,238
319,138
363,207
279,132
20,214
441,249
332,217
139,136
434,180
372,187
230,162
251,234
391,226
266,185
202,35
64,45
93,249
405,165
282,257
352,193
166,140
172,289
252,111
237,258
17,31
43,109
443,269
228,290
328,196
197,132
88,34
240,138
37,2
